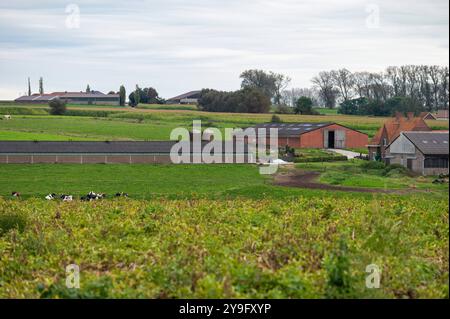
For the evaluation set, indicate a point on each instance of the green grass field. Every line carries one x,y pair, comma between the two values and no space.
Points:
148,123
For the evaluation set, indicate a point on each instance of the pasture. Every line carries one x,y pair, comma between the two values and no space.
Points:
118,123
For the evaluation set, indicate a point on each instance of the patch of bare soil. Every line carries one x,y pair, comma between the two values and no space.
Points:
308,179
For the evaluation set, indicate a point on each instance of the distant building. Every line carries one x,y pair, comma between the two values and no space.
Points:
421,152
94,97
442,115
315,135
186,98
427,116
391,130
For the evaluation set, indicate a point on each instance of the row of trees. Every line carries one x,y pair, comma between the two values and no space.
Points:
426,85
245,100
365,106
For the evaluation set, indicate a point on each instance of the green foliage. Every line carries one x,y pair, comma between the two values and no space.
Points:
304,106
261,80
11,220
276,119
88,113
339,283
57,107
122,95
299,247
365,106
373,165
246,100
320,159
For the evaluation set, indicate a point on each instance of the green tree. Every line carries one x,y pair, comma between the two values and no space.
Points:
57,107
137,96
304,106
357,106
264,81
88,89
122,95
41,85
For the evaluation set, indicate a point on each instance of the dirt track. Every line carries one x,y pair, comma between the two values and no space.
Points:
307,179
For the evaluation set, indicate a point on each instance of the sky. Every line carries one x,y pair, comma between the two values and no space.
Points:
177,46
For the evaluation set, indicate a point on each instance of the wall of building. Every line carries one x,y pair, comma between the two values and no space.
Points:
418,161
109,159
315,139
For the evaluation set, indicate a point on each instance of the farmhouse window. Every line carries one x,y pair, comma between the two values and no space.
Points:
436,162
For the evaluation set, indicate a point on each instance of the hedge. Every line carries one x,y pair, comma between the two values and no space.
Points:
320,159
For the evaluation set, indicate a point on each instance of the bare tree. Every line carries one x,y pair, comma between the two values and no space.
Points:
281,83
325,84
344,80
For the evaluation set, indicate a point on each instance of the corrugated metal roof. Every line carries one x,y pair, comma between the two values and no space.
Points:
185,95
116,147
429,143
292,129
66,95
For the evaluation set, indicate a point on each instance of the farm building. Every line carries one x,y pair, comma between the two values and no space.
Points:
428,116
316,135
391,130
422,152
129,152
186,98
94,97
442,115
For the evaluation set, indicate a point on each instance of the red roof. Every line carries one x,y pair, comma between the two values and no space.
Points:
391,129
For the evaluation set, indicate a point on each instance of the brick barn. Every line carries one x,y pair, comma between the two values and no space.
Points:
316,135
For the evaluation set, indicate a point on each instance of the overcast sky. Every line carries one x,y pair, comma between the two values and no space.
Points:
178,46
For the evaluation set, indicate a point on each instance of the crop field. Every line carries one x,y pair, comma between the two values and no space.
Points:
202,248
117,123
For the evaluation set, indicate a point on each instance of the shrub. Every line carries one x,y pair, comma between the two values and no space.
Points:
395,170
276,119
373,165
10,221
320,159
57,107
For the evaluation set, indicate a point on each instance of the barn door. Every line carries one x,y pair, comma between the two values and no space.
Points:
340,139
325,138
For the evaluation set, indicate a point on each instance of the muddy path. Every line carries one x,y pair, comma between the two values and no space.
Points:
308,179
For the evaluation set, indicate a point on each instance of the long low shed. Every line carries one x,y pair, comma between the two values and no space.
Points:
154,152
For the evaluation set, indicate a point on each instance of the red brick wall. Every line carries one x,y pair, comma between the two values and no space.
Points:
314,139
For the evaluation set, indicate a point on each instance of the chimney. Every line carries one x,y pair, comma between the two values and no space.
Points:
398,116
410,115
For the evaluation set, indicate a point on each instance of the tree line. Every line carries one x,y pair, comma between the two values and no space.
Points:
425,87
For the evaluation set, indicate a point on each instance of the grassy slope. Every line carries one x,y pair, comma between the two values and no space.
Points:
353,174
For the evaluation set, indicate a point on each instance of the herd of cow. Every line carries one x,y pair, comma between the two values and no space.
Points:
68,198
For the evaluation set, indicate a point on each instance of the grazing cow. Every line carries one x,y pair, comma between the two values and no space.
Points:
66,198
7,117
121,194
15,194
51,196
93,196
